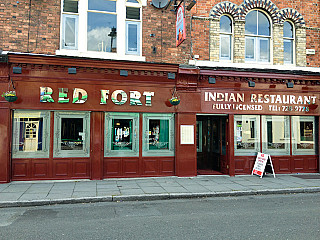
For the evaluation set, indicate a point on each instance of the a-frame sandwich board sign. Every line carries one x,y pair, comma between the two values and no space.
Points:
262,165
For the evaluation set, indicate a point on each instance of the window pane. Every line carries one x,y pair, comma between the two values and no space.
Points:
158,134
277,133
306,139
247,137
287,30
133,13
263,24
288,51
70,6
264,49
303,132
132,1
30,134
250,45
245,134
72,134
102,32
225,46
70,32
121,134
132,36
102,5
251,23
225,24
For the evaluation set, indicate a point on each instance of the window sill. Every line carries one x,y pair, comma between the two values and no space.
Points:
253,65
102,55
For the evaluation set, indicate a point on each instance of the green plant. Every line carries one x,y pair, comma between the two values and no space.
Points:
8,93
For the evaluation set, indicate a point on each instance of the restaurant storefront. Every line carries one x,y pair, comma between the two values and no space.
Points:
81,118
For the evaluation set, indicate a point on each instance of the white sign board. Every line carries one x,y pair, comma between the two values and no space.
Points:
262,161
186,134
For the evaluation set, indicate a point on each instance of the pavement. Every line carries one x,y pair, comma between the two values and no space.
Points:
37,193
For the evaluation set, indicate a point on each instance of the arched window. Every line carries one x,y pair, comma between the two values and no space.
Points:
288,42
257,37
225,38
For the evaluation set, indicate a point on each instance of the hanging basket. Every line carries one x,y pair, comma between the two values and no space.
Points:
174,101
10,98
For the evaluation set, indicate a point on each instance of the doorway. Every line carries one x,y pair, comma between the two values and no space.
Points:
212,144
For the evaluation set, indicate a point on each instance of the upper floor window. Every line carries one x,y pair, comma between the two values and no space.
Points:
257,37
70,24
288,42
101,27
225,38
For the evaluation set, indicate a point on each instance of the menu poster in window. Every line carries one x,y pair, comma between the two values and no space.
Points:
186,134
262,165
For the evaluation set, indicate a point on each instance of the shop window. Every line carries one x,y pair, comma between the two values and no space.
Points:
303,135
72,134
247,134
276,135
31,134
225,37
288,42
158,132
107,26
121,134
257,37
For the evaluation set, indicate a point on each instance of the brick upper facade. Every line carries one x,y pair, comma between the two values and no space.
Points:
35,28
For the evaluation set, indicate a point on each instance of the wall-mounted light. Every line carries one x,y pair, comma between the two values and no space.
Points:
124,73
72,70
171,75
212,80
290,84
251,84
193,2
16,70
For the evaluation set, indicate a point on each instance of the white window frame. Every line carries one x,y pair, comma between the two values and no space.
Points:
292,40
131,22
121,33
257,43
76,17
230,39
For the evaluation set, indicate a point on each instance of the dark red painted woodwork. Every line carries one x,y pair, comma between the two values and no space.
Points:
36,169
137,167
186,154
5,139
230,143
281,164
97,143
45,71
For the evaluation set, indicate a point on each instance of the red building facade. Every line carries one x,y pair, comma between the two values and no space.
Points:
93,101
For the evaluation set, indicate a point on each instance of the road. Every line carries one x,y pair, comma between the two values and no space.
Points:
292,216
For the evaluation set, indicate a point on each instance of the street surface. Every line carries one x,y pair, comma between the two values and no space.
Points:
291,216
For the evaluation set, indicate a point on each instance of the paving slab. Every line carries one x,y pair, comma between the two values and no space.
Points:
150,190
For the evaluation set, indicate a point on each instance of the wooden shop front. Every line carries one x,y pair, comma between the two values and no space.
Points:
253,111
85,118
79,118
